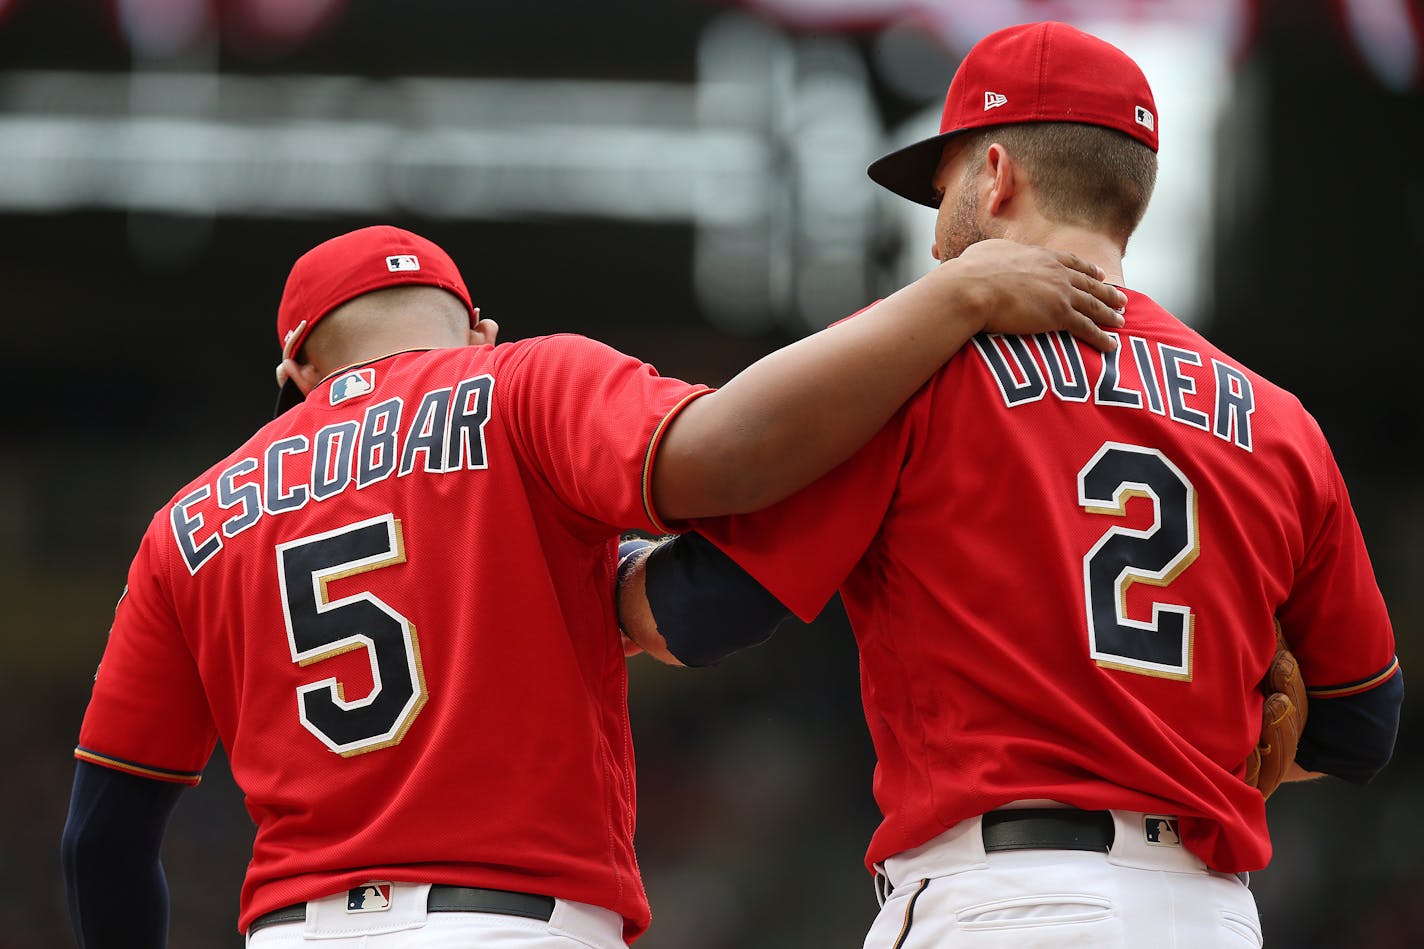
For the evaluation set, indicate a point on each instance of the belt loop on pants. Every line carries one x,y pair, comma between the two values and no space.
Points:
442,899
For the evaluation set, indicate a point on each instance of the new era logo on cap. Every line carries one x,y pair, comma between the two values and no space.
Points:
1032,72
402,262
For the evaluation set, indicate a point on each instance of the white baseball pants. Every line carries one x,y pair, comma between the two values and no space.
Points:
408,925
950,894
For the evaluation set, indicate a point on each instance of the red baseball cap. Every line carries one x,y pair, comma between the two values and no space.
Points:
1034,72
343,268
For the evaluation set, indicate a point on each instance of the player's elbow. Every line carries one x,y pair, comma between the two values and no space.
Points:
711,483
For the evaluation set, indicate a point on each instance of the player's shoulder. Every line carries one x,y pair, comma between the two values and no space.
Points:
562,356
1163,328
561,346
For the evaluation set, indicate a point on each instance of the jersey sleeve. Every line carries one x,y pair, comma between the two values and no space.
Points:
1334,617
1336,624
148,714
590,418
802,549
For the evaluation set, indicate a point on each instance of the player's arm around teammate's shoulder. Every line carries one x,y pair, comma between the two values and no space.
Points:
800,411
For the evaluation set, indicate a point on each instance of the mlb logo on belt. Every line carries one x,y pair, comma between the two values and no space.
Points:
369,898
402,262
1161,831
352,384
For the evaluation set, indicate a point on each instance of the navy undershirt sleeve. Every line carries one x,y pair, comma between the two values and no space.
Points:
114,882
706,607
1352,737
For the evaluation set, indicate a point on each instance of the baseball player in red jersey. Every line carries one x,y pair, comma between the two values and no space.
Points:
1063,568
394,603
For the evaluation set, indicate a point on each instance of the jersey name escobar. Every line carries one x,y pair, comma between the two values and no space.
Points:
444,433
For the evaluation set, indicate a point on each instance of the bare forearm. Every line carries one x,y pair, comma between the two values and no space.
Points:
795,414
799,412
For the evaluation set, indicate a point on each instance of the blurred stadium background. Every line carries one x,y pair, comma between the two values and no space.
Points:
684,180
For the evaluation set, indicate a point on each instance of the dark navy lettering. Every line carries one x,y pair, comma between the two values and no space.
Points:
427,432
470,412
1065,366
378,443
331,468
186,526
1179,386
231,494
276,500
1147,372
1234,404
1108,392
447,428
1032,387
1058,363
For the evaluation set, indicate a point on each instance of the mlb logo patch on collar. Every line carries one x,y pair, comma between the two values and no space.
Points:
369,898
348,385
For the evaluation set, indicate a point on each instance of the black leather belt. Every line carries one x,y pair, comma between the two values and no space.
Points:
442,899
1052,828
1033,828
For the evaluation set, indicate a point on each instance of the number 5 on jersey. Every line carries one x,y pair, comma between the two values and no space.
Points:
1121,557
319,628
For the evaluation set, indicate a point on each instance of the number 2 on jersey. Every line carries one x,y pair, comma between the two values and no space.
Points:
1121,557
319,628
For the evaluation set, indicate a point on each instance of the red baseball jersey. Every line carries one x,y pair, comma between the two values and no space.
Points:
1063,570
394,607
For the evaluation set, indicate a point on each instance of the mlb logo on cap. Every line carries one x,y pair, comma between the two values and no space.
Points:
345,267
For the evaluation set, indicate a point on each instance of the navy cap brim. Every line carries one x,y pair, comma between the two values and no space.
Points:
288,397
909,171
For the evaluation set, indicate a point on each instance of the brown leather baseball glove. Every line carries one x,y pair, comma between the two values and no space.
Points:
1282,721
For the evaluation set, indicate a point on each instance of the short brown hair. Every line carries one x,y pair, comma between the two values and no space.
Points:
1084,175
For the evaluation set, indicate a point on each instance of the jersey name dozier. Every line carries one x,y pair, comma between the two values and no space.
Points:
445,433
1170,381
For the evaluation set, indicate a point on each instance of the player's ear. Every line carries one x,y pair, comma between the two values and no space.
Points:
484,332
1004,171
304,374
